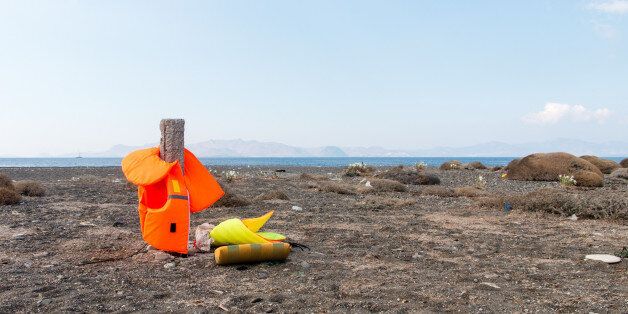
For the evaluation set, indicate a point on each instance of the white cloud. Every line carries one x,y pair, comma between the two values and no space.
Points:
553,113
612,6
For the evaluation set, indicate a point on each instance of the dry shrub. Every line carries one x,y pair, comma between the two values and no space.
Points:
231,199
475,165
605,165
272,195
592,204
312,177
547,167
335,187
469,191
6,182
383,185
9,197
412,177
497,168
588,178
451,165
379,202
624,163
491,202
621,173
358,170
512,163
438,191
30,188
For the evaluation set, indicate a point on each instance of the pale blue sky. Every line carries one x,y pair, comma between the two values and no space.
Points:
85,75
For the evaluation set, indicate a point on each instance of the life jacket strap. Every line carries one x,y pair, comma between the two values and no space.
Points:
178,197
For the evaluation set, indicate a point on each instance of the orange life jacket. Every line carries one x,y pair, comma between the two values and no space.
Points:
167,196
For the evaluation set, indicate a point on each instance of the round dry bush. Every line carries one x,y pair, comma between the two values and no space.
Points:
9,197
547,167
438,191
386,185
621,173
624,163
451,165
591,204
358,170
605,165
588,178
231,199
272,195
30,188
6,182
335,187
475,165
512,163
412,177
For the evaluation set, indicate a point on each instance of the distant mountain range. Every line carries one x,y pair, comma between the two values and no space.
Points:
244,148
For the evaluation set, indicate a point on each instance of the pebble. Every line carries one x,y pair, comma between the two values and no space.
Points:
19,236
262,275
573,217
41,254
86,224
606,258
297,208
169,265
490,284
305,265
162,256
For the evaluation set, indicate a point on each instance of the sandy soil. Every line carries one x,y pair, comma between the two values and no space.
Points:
427,253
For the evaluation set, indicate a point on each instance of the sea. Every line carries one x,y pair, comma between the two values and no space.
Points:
265,161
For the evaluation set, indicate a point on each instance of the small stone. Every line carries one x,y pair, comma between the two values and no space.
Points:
257,300
262,275
86,224
305,265
41,254
118,224
19,236
44,302
297,208
606,258
573,217
490,284
169,265
416,255
162,256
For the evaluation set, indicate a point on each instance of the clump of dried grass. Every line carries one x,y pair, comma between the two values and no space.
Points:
409,176
272,195
358,170
30,188
6,182
382,185
469,191
379,202
9,197
312,177
624,163
231,199
475,165
451,165
590,204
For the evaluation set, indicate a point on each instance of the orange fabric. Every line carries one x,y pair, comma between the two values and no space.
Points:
204,189
167,196
144,167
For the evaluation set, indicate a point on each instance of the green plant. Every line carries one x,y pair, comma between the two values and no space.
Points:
566,180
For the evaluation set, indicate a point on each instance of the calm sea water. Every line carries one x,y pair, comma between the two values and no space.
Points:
262,161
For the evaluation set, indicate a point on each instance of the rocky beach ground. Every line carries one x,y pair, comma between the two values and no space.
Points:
79,248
